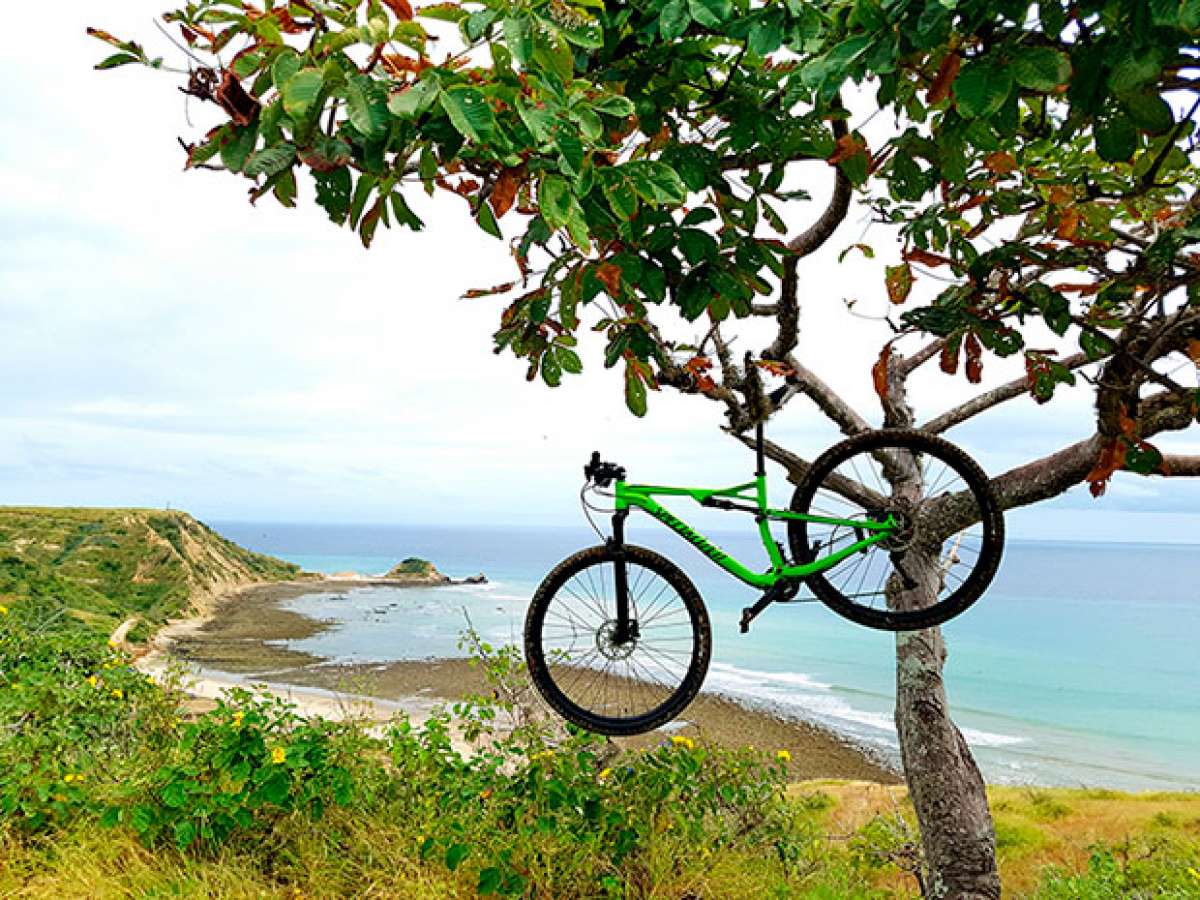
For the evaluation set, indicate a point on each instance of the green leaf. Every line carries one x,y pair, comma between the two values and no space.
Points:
285,67
1135,72
981,89
656,182
1189,16
1149,112
270,160
569,360
551,370
404,214
518,35
365,107
674,19
1144,459
766,36
487,220
614,105
570,149
710,13
470,112
443,12
539,120
555,200
1040,68
275,789
1116,138
301,92
697,246
238,148
455,854
619,191
142,819
410,103
333,193
1096,344
490,880
117,59
635,391
185,833
174,795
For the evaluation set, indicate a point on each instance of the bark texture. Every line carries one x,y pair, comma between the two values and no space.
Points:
945,784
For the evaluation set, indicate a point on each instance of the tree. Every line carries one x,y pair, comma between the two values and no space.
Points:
1040,170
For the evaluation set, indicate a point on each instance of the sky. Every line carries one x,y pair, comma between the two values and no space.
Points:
165,343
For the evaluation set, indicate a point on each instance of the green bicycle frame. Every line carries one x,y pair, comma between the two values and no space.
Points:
642,496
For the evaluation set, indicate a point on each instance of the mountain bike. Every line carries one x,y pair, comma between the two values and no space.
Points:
893,529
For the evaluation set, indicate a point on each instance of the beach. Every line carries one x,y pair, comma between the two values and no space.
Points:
241,641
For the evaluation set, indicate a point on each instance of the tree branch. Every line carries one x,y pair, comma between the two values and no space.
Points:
826,398
973,407
1181,466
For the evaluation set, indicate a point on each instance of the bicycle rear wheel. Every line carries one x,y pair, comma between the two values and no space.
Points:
596,683
937,564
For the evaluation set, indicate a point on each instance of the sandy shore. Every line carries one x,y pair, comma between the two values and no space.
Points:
233,647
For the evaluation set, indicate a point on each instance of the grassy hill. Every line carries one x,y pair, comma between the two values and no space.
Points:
103,565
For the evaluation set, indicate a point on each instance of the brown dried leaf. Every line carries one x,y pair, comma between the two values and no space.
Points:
232,97
400,8
879,371
609,274
899,280
949,357
504,192
974,366
947,72
925,258
1000,162
1112,458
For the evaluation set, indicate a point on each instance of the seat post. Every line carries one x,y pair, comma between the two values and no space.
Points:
758,450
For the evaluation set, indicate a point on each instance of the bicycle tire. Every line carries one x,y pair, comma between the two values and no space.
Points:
990,520
543,671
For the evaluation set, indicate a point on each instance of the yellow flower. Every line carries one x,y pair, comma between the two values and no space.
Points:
238,717
605,773
68,778
111,642
278,756
783,756
92,680
118,693
3,610
684,742
544,754
1195,873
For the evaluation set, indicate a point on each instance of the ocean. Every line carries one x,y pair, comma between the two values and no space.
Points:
1081,665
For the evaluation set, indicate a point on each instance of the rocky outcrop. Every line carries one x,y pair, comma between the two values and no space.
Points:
417,571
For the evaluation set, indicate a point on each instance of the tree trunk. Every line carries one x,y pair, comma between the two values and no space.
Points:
945,785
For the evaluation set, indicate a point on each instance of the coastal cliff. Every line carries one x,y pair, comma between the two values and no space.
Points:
104,565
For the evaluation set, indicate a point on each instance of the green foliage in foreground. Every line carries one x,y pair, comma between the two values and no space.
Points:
99,566
104,791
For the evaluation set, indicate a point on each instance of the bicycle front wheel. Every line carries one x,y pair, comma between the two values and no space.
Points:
590,679
942,556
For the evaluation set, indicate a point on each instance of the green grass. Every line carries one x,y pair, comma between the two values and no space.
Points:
109,788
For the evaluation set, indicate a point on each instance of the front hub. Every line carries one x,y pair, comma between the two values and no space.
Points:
610,647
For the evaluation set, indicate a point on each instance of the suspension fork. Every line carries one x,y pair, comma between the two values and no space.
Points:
627,629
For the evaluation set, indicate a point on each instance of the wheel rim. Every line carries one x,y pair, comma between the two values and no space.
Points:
875,481
595,675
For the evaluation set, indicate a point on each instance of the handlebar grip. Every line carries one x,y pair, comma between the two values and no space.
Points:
776,395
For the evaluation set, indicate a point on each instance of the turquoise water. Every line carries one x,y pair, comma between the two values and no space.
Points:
1079,667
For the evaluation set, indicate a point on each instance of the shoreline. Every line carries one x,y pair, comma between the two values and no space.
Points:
237,643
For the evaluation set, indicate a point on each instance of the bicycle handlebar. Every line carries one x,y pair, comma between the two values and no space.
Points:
603,473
